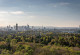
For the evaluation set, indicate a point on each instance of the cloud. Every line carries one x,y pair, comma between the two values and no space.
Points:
4,12
12,12
64,3
54,5
17,12
59,4
7,15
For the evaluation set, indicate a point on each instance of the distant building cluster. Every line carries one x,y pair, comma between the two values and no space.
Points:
16,28
41,28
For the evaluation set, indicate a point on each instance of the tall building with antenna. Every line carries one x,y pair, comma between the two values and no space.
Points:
16,27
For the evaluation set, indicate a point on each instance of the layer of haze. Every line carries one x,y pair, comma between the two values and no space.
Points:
59,13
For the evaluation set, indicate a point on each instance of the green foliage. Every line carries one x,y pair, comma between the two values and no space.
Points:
20,47
43,43
13,42
5,52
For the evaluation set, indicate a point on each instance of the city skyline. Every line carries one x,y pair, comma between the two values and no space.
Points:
56,13
16,24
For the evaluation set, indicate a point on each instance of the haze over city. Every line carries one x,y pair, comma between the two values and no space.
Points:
58,13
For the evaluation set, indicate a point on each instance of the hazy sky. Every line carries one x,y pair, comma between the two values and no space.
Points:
60,13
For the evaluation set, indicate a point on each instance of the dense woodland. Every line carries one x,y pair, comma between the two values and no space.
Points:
48,43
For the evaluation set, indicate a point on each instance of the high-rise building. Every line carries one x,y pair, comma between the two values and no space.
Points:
8,28
27,26
16,27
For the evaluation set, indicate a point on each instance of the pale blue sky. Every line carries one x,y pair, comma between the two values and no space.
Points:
59,13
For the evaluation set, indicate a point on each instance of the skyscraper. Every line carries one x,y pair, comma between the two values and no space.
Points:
16,27
27,26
